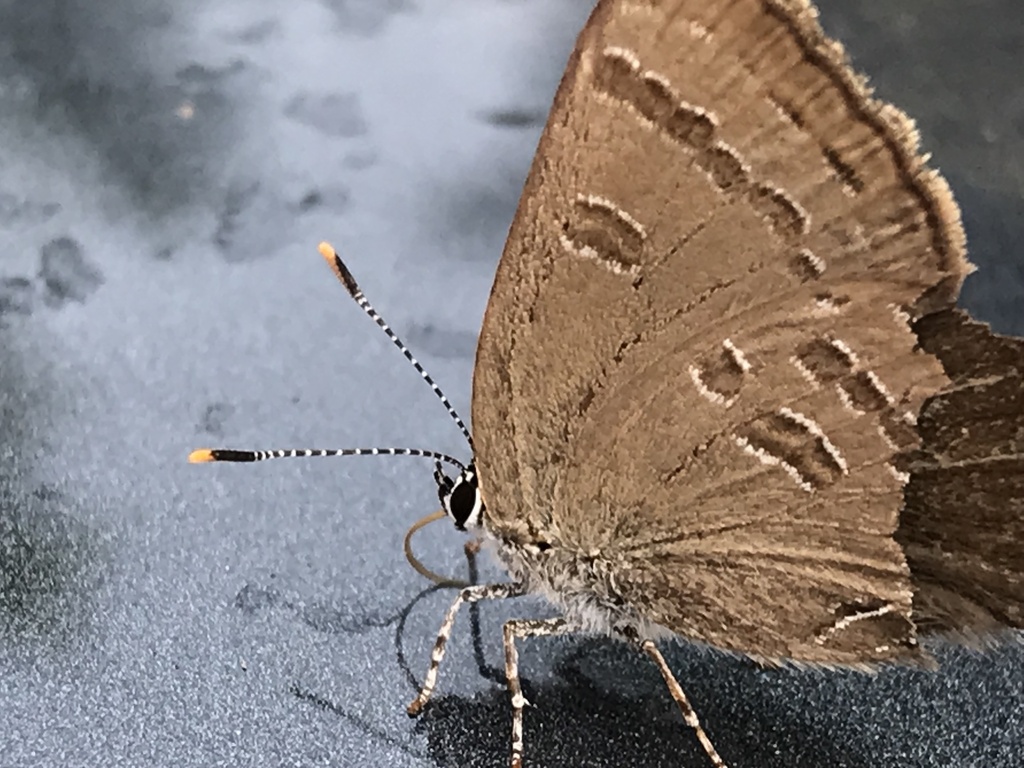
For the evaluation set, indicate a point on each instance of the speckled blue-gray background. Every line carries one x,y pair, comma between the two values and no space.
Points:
166,170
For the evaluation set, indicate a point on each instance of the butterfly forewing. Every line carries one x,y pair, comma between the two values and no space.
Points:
697,362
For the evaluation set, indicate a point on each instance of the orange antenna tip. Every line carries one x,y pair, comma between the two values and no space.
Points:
200,456
338,267
326,250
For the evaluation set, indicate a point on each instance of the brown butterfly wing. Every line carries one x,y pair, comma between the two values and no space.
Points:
963,525
697,363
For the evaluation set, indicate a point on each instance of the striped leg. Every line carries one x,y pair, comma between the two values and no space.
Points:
467,595
520,628
648,647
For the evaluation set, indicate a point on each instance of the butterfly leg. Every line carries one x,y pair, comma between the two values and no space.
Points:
518,629
467,595
676,690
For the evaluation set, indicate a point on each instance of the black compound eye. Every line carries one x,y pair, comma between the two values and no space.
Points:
462,502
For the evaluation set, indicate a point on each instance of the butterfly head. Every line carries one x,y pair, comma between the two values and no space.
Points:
460,497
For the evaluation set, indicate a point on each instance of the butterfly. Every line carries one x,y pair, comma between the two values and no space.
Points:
721,390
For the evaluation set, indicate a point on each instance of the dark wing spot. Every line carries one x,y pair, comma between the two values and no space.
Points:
863,392
793,443
824,360
692,127
726,169
783,215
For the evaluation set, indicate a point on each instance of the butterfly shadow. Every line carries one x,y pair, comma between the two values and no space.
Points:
601,703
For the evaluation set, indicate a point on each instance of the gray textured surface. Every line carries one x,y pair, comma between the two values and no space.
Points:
165,174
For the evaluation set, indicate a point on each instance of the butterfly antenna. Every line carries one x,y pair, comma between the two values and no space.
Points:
225,454
342,273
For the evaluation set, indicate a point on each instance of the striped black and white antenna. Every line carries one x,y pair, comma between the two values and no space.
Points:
345,276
